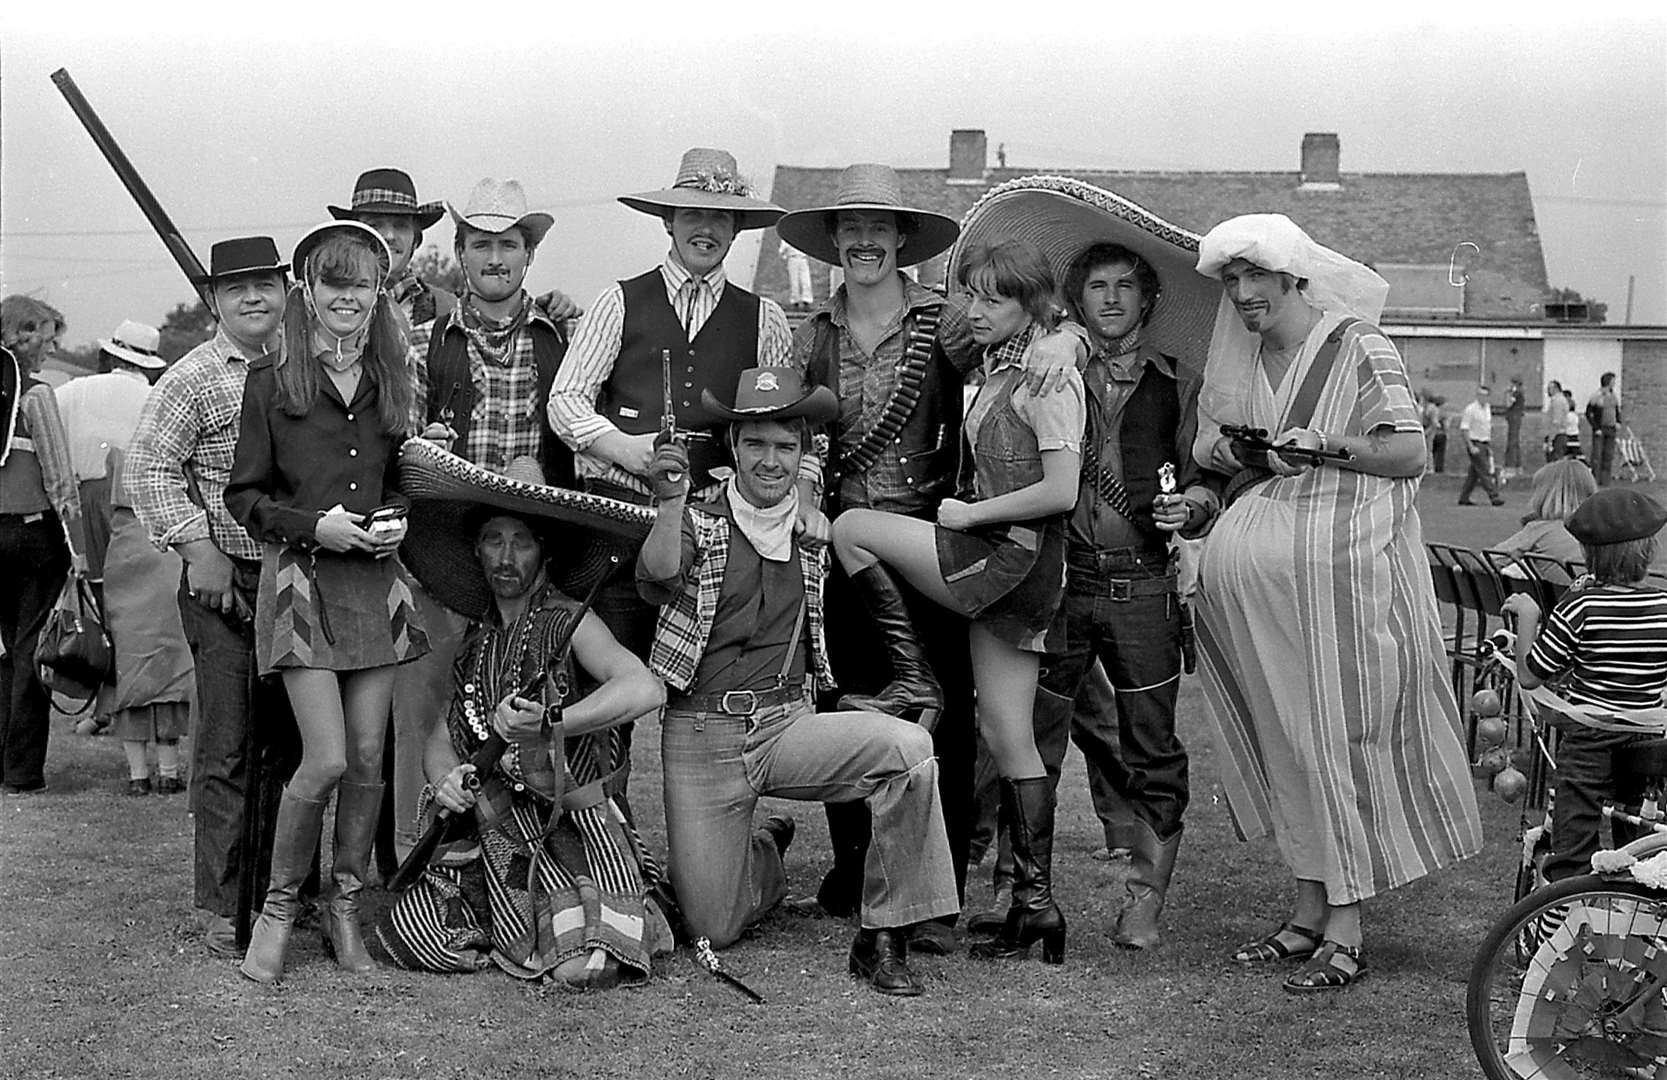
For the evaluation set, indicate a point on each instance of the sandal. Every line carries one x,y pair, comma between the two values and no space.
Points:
1333,966
1266,949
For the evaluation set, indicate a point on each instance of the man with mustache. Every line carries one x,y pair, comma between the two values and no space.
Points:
177,466
740,645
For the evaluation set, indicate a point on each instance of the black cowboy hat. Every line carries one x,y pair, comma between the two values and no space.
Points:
388,191
242,255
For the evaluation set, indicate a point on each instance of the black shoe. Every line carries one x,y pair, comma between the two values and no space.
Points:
933,938
1466,502
882,958
169,785
780,828
1498,502
140,786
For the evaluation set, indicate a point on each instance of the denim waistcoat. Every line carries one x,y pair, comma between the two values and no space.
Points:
1005,455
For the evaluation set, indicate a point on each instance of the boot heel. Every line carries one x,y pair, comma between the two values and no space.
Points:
1053,946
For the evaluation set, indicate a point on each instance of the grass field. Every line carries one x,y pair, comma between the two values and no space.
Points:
103,974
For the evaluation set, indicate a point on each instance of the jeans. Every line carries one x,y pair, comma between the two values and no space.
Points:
36,560
1481,472
237,712
1586,779
727,874
1603,453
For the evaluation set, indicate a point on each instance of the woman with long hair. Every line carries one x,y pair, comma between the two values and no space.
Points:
999,560
314,481
1559,489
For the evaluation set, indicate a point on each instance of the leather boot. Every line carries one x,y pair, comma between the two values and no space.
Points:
993,918
912,686
849,829
1151,862
882,958
1027,809
358,807
294,843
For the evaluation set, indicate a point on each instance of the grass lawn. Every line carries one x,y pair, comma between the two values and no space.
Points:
104,976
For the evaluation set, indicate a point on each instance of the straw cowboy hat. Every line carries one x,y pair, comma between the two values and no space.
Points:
868,187
136,343
708,180
1062,216
774,393
388,191
451,498
241,255
497,206
318,233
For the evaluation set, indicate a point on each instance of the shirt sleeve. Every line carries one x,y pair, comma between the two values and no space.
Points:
1383,396
46,429
657,592
249,490
590,360
775,337
169,428
1552,653
1057,417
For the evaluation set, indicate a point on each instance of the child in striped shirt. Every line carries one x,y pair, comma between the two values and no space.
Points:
1604,645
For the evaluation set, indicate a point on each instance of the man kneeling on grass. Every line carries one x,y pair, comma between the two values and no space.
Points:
739,643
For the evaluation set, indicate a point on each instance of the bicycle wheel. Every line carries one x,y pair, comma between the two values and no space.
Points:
1569,985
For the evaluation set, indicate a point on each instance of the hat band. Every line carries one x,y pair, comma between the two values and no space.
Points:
714,184
140,349
367,196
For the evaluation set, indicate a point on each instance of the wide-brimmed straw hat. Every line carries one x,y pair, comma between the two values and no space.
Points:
388,191
497,206
1063,216
320,232
708,179
773,393
136,343
451,497
241,255
868,187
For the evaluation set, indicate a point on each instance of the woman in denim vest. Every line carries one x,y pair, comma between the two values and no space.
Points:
999,560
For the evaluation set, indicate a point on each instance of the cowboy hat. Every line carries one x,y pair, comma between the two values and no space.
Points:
868,187
1063,216
388,191
241,255
497,206
774,393
316,235
135,343
451,498
708,180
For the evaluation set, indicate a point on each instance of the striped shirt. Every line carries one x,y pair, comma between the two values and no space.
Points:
40,431
1606,646
187,439
595,349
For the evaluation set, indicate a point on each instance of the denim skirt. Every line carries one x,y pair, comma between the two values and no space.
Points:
1010,579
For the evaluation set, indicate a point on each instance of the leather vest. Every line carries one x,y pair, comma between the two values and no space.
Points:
1151,417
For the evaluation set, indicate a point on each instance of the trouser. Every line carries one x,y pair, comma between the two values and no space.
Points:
861,666
36,560
727,874
1603,453
1586,779
233,704
96,515
1513,442
422,694
1481,472
1125,614
1438,452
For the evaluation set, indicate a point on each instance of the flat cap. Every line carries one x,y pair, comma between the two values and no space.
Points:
1615,515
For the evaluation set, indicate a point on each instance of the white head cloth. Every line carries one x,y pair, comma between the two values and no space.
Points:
1335,284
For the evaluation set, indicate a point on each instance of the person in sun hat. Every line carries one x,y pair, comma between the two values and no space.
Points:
1321,644
177,465
565,898
314,482
739,642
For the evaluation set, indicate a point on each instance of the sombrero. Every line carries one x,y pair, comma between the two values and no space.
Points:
868,187
1062,216
448,496
708,179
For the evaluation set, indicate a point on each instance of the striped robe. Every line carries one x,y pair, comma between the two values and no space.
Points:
1323,663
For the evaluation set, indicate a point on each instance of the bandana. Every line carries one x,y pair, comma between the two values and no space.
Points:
493,337
768,528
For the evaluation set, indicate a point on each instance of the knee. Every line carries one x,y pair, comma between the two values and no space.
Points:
914,745
318,775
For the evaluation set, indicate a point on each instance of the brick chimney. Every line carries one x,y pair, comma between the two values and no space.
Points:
969,151
1320,153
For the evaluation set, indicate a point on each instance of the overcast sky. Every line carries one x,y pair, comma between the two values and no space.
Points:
245,125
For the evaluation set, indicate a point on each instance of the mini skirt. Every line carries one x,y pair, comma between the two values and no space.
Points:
336,612
1010,580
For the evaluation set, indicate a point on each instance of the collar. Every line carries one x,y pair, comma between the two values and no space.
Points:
1127,367
1010,353
404,287
535,314
676,274
230,350
768,528
916,297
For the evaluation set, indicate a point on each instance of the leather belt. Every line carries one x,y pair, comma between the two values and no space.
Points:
737,702
1086,577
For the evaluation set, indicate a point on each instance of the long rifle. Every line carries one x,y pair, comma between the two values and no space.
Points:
486,756
187,260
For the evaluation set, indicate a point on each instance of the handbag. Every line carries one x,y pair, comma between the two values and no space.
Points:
74,650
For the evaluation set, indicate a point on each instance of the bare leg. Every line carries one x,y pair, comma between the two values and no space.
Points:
1006,681
907,545
317,699
365,699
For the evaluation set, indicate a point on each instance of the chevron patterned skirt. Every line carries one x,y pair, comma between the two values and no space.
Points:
336,612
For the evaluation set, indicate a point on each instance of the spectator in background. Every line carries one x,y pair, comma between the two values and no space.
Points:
800,294
1515,404
1603,412
1435,430
1559,489
1556,419
1476,425
1571,426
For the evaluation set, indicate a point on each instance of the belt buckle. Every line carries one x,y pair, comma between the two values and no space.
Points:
751,706
1119,589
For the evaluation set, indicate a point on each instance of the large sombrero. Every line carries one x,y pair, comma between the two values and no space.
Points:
1062,216
449,497
868,187
708,179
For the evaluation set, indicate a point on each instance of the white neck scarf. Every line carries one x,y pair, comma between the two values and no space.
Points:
770,528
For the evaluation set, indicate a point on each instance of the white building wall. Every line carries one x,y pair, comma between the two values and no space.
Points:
1577,362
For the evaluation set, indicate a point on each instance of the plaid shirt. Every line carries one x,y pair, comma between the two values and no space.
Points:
188,433
689,602
506,423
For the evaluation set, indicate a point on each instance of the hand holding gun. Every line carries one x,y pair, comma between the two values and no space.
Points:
1255,440
668,420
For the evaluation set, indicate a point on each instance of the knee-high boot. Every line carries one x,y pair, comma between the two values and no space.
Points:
294,844
358,806
912,686
849,830
1151,864
1027,808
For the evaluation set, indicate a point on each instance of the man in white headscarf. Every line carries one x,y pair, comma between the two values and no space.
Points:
1323,663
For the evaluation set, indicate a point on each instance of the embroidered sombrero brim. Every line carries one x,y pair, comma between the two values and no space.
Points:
750,213
1062,216
807,230
449,495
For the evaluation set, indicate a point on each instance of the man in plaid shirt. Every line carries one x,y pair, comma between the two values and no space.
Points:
176,472
739,641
